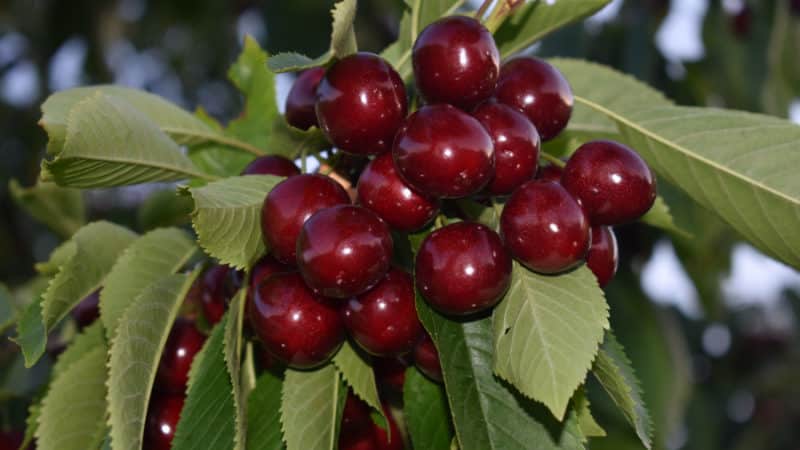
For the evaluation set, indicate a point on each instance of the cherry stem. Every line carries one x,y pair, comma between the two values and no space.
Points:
552,159
500,12
439,222
482,10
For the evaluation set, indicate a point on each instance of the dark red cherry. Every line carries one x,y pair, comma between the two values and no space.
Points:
462,268
456,61
355,415
602,258
11,440
302,99
383,320
162,421
516,146
361,102
265,268
183,343
384,440
381,190
426,358
87,311
359,440
612,182
271,165
540,91
444,152
290,204
343,251
545,227
390,372
214,286
297,326
550,172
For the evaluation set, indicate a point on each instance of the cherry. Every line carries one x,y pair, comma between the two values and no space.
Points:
611,181
382,438
540,91
11,440
355,415
87,311
343,251
456,61
361,102
215,286
302,99
390,372
360,440
426,358
265,268
516,146
162,421
183,343
383,320
290,204
602,258
295,325
444,152
550,172
545,227
462,268
381,190
271,165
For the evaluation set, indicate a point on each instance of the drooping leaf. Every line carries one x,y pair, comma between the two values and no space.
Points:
87,341
311,408
135,352
546,333
359,375
737,164
264,414
587,425
164,208
426,412
233,345
148,259
227,218
61,209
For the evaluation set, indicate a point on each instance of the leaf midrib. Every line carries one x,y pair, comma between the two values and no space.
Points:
190,173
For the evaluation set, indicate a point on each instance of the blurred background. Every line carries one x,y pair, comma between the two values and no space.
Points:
710,323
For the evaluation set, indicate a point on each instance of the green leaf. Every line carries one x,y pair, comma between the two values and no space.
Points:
659,216
294,62
135,352
478,212
359,375
31,424
148,259
108,142
227,218
613,370
88,340
783,76
546,333
587,425
427,416
208,418
537,19
58,258
737,164
233,344
73,411
216,158
311,406
264,414
8,311
164,208
293,143
61,209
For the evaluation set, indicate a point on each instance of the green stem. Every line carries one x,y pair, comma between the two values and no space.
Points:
500,12
552,159
438,222
482,10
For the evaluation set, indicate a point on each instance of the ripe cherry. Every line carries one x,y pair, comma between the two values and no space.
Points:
550,172
545,227
87,311
302,99
271,165
215,289
444,152
516,146
381,190
183,343
602,258
540,91
11,440
462,268
162,421
612,182
297,326
383,320
264,268
426,358
290,204
391,372
355,415
359,440
361,102
382,438
343,251
456,61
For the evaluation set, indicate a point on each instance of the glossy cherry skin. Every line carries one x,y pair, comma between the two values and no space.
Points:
383,321
612,182
382,438
87,311
456,61
462,268
297,326
444,152
344,250
183,343
214,288
290,204
162,421
516,146
540,91
545,227
302,99
265,268
361,102
426,358
271,165
381,190
355,415
550,172
603,255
